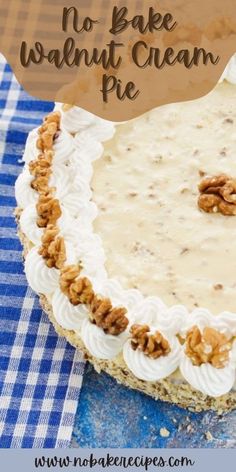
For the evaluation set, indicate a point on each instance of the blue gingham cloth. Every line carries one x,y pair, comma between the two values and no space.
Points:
40,374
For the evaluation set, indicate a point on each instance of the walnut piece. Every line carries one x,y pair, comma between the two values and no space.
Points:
48,131
153,345
41,170
111,320
218,194
48,209
211,346
79,290
41,164
53,248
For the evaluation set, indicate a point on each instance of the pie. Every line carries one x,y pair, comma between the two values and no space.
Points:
129,240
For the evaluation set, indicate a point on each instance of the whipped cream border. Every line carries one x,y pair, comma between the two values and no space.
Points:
79,144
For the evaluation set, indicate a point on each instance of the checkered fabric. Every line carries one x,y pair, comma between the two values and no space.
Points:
40,374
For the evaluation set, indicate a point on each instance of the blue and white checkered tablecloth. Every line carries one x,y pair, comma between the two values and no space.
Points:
40,374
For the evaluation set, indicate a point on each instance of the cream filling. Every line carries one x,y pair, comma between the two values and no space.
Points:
146,188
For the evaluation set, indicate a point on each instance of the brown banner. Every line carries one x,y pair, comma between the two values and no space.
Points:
118,59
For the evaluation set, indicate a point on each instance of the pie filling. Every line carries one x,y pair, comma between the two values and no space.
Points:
156,238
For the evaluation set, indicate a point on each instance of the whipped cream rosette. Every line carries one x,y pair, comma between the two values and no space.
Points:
209,379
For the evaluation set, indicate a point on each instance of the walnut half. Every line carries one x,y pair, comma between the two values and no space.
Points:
153,345
218,194
53,248
210,346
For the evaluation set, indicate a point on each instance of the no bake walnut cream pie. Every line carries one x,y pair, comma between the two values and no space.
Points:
128,231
